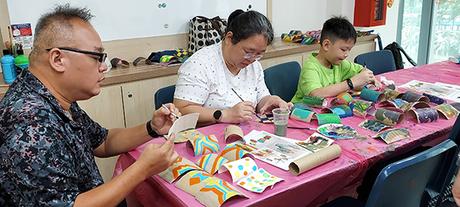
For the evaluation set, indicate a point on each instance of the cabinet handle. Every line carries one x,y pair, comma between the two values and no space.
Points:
130,95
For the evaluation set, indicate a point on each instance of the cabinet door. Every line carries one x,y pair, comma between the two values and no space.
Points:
266,63
361,48
106,108
138,98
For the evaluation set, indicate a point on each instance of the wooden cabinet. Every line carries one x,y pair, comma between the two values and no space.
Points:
266,63
106,108
361,48
138,98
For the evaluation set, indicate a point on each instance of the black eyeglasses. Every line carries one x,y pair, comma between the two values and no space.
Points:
100,55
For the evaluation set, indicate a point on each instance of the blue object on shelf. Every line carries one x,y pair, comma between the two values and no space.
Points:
8,67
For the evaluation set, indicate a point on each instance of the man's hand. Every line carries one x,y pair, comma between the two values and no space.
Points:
364,77
240,112
157,158
163,119
273,102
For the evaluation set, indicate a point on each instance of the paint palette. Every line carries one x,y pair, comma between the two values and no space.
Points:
337,131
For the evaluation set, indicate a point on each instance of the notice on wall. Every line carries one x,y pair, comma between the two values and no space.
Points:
22,34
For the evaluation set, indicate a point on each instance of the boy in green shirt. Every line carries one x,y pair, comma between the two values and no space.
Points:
327,73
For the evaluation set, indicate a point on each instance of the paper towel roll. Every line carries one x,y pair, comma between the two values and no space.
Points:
310,161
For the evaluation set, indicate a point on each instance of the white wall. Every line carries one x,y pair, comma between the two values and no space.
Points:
301,15
287,15
308,15
120,19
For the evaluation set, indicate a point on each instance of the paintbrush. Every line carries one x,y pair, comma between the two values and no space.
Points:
243,101
164,106
307,128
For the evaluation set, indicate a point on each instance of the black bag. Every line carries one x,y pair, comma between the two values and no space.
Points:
396,49
204,31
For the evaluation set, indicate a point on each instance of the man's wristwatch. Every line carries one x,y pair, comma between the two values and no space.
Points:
350,84
150,131
217,115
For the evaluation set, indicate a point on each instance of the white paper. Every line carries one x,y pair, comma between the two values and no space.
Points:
441,90
185,122
275,150
455,96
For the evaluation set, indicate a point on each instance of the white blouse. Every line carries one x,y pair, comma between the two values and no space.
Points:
205,79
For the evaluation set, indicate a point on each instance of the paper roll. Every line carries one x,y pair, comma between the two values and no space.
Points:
313,160
233,133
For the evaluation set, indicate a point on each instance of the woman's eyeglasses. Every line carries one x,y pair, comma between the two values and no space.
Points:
100,55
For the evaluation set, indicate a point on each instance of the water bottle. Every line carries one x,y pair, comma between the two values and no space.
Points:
21,61
8,67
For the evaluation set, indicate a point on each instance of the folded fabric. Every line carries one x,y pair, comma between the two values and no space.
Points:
156,56
169,56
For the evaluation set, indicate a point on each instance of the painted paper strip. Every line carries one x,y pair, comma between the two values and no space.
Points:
302,115
211,162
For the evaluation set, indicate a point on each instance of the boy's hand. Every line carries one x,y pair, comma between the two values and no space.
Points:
364,77
378,84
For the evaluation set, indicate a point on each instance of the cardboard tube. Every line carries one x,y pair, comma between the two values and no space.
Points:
233,133
313,160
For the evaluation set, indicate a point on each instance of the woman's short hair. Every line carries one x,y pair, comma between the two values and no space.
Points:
246,24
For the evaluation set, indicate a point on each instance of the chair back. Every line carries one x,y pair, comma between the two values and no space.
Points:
282,79
405,182
164,95
379,62
455,133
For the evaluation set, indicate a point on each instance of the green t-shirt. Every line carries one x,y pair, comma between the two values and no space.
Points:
314,75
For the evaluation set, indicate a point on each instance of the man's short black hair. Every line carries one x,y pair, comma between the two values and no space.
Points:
338,28
54,28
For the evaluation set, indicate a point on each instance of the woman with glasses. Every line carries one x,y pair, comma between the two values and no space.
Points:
224,82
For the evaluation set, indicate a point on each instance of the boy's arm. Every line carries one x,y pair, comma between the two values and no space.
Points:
331,90
310,84
352,71
309,80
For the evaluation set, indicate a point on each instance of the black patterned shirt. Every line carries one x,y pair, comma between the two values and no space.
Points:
46,153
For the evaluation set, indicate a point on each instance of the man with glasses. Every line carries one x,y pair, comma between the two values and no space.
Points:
48,143
224,82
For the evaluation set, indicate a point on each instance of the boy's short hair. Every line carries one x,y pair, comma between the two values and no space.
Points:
338,28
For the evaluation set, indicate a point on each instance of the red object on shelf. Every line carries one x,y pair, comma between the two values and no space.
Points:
370,13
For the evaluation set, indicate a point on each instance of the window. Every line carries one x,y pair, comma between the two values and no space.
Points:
429,30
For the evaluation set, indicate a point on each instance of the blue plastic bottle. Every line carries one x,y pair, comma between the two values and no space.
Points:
8,67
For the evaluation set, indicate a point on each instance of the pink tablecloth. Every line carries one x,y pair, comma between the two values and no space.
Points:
337,177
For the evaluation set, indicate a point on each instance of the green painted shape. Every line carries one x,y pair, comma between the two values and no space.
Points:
313,100
302,114
328,119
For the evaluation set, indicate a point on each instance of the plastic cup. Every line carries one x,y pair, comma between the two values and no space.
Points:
280,120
